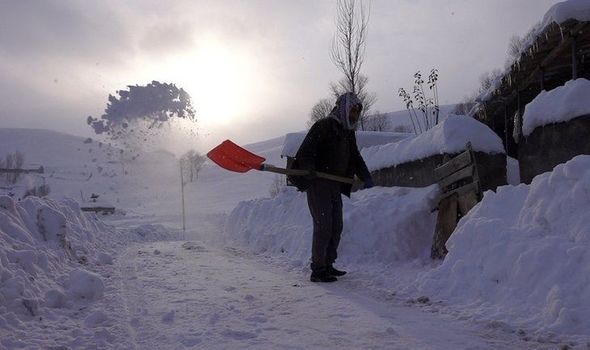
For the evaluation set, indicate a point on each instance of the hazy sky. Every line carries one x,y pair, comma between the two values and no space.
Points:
253,68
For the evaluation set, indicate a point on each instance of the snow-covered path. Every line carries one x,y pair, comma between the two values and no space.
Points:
187,295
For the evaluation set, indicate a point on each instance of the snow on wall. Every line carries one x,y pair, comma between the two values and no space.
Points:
363,139
522,255
558,105
449,136
381,225
571,9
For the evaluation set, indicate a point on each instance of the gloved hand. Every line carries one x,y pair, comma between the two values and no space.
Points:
369,183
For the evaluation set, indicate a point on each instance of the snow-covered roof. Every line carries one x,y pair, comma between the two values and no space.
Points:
559,14
450,136
565,10
363,138
558,105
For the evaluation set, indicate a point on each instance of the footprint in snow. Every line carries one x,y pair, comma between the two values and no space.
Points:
193,246
238,335
168,317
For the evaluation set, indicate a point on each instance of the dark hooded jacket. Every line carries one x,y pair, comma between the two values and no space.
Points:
330,147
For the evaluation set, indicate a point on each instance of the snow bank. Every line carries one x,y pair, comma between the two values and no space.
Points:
523,254
45,248
48,251
558,105
381,225
449,136
84,285
363,138
571,9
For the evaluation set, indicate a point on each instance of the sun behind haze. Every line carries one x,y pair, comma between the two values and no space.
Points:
222,80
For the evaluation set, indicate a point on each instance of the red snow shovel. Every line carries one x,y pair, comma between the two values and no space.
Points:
232,157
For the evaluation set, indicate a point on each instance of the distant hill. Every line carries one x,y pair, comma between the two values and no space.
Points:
399,121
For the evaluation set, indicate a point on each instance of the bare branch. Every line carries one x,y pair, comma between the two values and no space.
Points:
349,42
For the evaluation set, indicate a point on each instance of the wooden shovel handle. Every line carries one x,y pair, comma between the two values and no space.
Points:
298,172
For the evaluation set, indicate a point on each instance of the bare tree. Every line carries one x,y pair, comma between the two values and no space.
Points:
349,44
464,107
348,51
515,47
192,162
320,111
13,161
377,122
487,80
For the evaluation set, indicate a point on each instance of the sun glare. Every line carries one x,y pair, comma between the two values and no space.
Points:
219,80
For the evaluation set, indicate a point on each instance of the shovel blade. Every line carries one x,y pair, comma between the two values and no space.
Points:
232,157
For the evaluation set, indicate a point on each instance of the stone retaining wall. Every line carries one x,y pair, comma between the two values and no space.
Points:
552,144
420,173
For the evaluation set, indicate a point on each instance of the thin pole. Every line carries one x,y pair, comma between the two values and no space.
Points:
182,195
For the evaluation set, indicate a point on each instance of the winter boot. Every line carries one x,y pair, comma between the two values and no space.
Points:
332,271
322,277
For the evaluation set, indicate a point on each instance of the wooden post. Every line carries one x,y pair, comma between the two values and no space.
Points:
182,196
518,115
41,170
505,124
446,221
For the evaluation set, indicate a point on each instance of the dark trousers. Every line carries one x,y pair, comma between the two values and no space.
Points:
325,205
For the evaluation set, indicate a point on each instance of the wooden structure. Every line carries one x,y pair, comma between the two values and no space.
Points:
560,53
104,210
460,188
40,170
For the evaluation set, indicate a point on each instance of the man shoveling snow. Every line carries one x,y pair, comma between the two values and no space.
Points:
330,147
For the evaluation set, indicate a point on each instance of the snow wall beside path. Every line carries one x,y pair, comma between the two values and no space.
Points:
382,225
522,255
53,260
46,248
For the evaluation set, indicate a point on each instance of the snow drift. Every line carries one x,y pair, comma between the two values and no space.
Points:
523,254
46,250
381,225
55,266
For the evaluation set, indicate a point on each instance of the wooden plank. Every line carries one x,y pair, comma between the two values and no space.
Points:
446,222
464,173
98,209
22,171
457,163
472,187
466,202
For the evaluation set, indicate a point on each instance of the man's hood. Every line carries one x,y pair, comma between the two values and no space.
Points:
341,111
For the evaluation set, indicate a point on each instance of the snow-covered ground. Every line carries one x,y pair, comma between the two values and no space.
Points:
238,277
